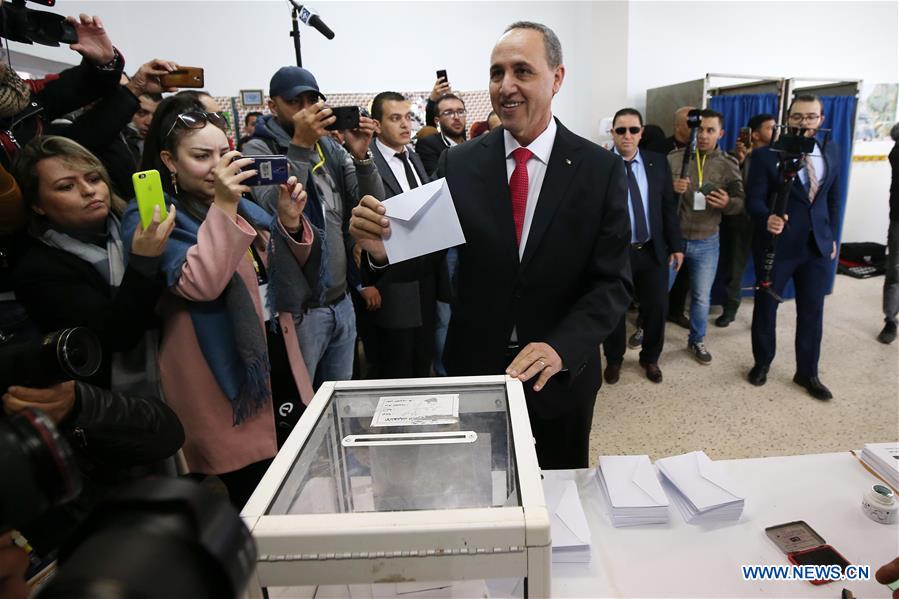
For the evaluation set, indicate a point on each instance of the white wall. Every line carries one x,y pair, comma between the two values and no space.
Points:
378,45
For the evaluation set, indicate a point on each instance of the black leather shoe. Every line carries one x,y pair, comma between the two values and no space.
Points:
888,334
814,386
612,372
680,320
653,372
724,320
758,376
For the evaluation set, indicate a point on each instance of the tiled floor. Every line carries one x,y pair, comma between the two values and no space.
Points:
714,408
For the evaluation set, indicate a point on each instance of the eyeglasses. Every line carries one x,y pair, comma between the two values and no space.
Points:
451,113
197,119
803,118
623,130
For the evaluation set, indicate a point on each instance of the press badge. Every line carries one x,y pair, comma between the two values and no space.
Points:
698,200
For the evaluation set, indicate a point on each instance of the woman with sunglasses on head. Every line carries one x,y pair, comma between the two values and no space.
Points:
235,276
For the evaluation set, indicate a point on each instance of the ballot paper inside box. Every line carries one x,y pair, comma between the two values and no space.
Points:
422,220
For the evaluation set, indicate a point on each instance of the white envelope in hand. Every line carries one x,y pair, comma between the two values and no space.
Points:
631,481
422,220
568,523
700,479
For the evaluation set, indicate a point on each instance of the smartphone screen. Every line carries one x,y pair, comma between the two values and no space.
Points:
441,74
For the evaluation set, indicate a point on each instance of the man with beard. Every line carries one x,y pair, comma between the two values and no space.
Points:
450,120
335,179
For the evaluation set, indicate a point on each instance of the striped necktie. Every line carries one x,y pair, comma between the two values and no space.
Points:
813,183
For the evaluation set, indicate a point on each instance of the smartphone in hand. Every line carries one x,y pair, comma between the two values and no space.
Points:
441,74
149,195
183,77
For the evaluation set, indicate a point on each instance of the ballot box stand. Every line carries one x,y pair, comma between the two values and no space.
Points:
348,503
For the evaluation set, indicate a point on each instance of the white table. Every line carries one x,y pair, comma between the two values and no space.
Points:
684,560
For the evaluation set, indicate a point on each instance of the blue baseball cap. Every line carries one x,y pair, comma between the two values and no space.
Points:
290,82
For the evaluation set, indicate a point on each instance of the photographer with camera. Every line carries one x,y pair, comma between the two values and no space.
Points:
73,272
739,226
713,187
235,277
806,244
97,76
335,179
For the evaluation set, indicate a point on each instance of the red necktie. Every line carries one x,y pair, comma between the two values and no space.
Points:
518,188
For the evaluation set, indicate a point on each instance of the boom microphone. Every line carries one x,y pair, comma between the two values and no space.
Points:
313,20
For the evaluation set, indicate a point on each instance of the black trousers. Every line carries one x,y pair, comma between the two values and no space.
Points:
406,353
811,273
650,287
562,443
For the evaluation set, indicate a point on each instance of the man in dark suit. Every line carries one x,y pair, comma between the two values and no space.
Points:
543,277
677,299
806,247
403,325
656,244
450,120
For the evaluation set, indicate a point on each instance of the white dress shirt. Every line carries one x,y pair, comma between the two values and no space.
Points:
542,147
396,165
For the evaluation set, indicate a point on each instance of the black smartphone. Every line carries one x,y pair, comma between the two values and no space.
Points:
746,137
442,74
708,188
271,170
347,118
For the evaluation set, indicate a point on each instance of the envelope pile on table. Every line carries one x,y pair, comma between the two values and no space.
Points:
700,488
568,523
632,490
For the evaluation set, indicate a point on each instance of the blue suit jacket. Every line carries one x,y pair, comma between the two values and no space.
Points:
820,217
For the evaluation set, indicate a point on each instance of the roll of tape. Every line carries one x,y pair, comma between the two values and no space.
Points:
880,505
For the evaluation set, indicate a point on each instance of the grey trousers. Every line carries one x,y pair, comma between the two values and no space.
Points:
891,282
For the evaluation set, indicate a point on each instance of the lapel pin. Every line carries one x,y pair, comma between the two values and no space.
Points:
568,161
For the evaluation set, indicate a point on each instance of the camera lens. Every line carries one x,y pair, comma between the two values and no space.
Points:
78,351
36,464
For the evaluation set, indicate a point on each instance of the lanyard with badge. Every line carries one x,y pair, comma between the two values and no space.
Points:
699,196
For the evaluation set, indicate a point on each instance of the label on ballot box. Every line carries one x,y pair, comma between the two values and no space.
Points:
416,410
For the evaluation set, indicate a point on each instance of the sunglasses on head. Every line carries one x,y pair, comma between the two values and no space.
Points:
623,130
197,119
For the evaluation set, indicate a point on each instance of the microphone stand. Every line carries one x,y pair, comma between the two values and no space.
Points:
295,33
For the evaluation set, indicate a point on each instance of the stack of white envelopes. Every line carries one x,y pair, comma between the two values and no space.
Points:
632,490
568,523
700,488
883,458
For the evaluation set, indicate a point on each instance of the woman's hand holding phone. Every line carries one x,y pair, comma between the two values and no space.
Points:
291,202
150,242
229,181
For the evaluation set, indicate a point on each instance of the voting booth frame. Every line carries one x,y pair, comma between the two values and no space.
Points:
715,89
404,546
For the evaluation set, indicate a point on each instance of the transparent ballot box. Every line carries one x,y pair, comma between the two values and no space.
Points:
405,481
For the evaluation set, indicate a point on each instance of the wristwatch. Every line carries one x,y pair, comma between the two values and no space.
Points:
367,161
114,64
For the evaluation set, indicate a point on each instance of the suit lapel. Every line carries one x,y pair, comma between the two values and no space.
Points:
563,163
655,208
418,166
492,172
386,173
